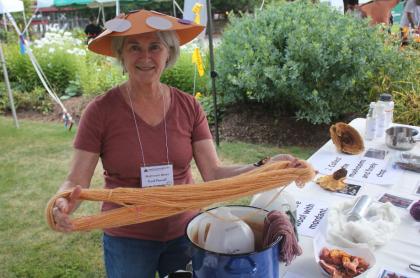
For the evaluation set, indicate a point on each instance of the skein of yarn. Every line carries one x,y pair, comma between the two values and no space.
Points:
146,204
277,224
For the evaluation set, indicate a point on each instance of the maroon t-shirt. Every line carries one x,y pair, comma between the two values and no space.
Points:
107,127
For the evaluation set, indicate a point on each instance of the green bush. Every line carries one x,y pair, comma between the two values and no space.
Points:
99,74
58,56
304,59
181,75
405,90
37,100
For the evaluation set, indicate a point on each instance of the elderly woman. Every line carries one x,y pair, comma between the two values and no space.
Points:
139,127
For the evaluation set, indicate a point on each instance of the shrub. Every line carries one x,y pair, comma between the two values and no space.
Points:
304,59
99,74
58,55
207,103
181,75
405,90
36,100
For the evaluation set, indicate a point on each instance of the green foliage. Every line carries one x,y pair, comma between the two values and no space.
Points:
405,90
35,100
208,105
99,74
72,90
304,59
181,75
235,6
59,66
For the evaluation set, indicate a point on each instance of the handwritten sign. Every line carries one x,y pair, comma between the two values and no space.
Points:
309,216
371,167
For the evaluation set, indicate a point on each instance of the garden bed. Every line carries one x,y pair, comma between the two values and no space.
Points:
255,125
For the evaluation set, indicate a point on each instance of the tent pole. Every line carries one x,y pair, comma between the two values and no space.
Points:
103,15
173,7
98,18
9,90
213,73
4,22
25,30
117,7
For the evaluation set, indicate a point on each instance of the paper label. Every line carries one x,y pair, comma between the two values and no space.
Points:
157,175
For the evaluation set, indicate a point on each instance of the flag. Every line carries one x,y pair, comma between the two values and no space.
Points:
196,59
196,10
22,46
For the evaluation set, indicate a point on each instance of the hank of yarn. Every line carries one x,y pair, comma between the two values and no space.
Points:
139,205
277,225
415,210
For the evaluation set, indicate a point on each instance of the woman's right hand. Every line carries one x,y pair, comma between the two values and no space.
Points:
63,208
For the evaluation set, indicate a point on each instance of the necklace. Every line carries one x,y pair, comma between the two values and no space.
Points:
137,127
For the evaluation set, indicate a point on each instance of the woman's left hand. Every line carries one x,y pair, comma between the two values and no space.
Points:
294,162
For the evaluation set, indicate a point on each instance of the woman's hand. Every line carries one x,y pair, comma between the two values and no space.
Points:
294,162
63,208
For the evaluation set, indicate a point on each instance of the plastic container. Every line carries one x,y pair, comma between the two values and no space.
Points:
320,242
380,119
284,202
225,233
370,130
386,101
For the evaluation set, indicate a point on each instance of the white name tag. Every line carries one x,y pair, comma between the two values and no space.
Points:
157,175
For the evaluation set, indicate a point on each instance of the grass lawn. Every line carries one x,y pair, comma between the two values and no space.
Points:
33,162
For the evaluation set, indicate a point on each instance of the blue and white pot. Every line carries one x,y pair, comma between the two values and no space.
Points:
263,263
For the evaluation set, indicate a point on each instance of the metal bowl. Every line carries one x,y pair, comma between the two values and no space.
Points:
401,137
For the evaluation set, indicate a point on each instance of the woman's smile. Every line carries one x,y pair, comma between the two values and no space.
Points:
145,68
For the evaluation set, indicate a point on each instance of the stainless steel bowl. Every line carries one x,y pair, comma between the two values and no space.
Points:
401,137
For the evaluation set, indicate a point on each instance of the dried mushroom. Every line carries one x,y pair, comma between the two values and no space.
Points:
333,182
346,138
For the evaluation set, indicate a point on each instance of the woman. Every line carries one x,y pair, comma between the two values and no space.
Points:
139,127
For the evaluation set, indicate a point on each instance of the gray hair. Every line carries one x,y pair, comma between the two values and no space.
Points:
168,38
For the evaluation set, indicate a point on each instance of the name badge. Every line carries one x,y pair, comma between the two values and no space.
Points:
157,175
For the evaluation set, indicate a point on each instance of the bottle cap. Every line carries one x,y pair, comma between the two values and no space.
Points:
385,97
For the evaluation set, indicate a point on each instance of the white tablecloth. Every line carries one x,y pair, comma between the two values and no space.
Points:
397,254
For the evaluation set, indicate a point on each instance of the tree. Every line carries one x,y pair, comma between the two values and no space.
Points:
222,6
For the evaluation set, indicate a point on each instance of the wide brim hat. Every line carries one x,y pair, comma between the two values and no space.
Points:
140,22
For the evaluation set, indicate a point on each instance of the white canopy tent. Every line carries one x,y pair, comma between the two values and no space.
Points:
44,3
9,6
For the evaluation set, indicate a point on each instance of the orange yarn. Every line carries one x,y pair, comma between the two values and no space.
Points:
147,204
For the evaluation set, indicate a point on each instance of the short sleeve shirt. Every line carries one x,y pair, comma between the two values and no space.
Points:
107,127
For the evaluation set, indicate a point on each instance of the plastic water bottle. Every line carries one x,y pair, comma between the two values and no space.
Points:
386,101
380,119
370,130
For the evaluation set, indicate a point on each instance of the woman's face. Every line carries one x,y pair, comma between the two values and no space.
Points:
144,57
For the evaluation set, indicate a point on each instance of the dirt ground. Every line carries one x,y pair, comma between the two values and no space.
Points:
74,106
256,126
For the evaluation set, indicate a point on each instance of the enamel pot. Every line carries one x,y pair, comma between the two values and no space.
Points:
264,262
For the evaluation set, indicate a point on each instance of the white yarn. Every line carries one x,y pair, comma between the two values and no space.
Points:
374,230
